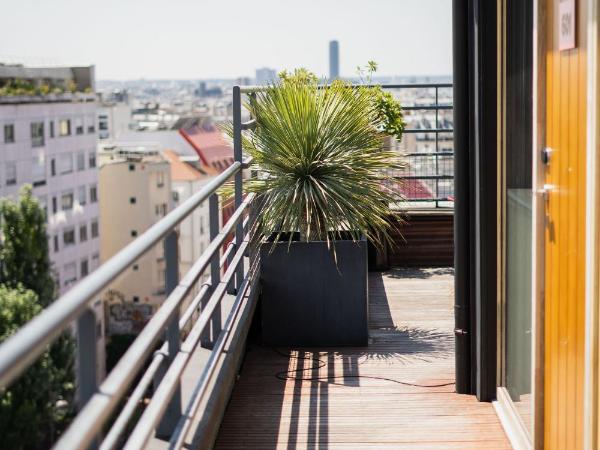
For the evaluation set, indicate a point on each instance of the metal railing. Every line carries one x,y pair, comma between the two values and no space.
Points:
235,271
162,369
428,179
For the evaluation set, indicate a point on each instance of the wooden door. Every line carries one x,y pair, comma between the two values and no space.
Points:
565,233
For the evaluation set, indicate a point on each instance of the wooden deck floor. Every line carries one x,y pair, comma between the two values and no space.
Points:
361,405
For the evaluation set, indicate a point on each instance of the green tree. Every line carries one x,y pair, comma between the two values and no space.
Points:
38,406
24,258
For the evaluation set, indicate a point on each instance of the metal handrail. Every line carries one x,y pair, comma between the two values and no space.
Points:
261,88
20,351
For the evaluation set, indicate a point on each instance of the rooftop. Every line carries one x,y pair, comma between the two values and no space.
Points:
184,171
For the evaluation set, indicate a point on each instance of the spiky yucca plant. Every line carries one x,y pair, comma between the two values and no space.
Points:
322,165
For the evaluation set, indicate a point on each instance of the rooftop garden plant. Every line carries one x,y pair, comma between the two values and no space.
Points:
323,186
320,152
19,87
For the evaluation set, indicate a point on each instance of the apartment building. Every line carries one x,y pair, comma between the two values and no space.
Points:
188,177
135,192
48,139
114,115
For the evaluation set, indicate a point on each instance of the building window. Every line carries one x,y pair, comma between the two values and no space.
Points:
91,125
93,193
79,125
84,268
201,224
92,160
83,232
9,133
64,127
56,246
80,161
38,170
136,299
70,273
135,267
37,134
54,205
52,128
53,167
160,179
66,163
134,233
95,261
69,237
131,167
81,195
95,231
66,201
11,173
132,200
161,210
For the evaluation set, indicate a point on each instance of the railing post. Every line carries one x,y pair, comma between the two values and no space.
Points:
437,147
173,412
87,375
211,333
237,156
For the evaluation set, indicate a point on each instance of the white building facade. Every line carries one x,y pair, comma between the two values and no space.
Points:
49,141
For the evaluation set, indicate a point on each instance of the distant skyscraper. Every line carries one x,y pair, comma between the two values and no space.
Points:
334,60
265,75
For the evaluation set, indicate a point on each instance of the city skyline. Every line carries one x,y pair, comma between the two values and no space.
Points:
189,40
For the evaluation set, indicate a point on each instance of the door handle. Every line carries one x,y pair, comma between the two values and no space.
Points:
546,153
545,190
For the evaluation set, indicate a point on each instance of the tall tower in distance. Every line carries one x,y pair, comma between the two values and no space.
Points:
334,60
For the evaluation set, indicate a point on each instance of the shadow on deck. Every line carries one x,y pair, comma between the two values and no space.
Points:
396,393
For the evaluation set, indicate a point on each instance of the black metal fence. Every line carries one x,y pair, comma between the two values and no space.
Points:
427,180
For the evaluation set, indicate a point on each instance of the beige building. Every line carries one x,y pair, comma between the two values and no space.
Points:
135,192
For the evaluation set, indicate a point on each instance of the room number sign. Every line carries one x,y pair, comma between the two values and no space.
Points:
566,24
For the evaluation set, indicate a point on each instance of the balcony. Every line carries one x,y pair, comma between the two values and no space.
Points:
396,393
211,382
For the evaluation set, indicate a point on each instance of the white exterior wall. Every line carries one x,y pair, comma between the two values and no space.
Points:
34,166
113,120
194,232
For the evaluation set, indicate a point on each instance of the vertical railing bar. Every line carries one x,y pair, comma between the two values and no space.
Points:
437,148
210,334
87,375
173,338
237,156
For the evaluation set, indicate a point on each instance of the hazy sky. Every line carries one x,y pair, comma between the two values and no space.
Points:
227,38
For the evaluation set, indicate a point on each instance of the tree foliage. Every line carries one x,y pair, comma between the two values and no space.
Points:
24,258
37,407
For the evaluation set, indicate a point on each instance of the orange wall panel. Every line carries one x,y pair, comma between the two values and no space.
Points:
565,236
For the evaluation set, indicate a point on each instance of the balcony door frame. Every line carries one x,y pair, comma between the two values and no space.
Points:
591,426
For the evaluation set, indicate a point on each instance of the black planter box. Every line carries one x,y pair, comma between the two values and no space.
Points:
307,301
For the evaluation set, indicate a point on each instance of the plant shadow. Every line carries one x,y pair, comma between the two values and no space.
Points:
418,272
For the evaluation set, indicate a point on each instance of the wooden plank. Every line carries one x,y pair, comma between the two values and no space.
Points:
365,406
424,240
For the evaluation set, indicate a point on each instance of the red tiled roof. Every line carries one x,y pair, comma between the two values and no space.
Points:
180,170
210,144
412,189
